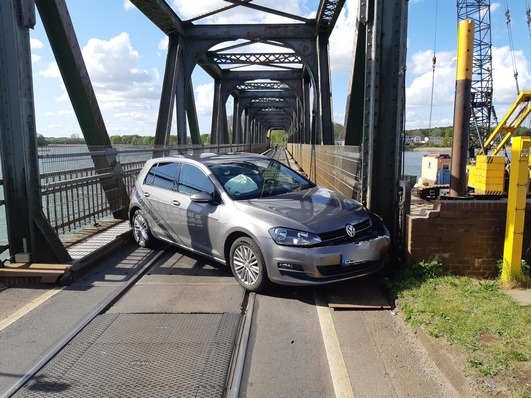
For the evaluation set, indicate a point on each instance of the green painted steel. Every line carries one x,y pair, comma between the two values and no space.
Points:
29,233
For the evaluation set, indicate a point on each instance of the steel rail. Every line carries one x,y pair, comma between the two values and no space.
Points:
239,353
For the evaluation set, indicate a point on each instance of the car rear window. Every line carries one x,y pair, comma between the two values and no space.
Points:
162,175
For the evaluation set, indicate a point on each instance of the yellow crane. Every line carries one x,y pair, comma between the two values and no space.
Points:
487,175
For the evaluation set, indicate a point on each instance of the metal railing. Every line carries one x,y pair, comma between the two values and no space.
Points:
336,167
71,187
73,199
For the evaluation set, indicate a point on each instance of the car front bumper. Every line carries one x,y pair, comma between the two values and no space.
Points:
290,265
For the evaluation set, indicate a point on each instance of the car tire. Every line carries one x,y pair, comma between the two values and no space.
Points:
248,265
141,231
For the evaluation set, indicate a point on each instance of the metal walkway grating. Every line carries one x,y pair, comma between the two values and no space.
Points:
91,240
142,355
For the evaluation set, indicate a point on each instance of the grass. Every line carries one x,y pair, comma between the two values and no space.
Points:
492,330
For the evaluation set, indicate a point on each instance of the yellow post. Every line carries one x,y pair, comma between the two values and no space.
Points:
516,203
462,101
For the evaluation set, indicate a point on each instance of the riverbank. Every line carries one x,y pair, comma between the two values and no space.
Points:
433,149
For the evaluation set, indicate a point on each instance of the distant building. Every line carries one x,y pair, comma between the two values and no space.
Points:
437,141
413,140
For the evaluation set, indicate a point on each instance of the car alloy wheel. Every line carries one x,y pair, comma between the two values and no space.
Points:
247,264
141,231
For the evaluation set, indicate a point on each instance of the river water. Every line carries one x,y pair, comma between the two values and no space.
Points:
413,161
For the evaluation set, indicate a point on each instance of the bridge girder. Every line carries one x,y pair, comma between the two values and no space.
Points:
306,40
300,68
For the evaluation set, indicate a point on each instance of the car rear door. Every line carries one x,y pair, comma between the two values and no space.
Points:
158,190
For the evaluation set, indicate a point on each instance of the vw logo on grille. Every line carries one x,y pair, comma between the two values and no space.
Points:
351,231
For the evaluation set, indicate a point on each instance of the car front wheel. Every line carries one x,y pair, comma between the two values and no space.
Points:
141,231
248,265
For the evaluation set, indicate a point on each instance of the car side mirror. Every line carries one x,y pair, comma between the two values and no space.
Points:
202,197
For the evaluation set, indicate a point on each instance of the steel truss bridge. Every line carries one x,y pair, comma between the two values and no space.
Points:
286,87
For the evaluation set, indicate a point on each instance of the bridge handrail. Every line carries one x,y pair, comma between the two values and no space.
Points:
72,195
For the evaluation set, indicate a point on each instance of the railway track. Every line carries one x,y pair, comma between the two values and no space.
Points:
45,375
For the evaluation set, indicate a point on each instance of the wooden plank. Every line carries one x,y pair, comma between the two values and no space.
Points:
46,276
38,266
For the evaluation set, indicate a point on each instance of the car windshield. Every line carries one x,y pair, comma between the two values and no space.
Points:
257,178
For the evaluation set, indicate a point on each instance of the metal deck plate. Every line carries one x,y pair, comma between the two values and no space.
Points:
358,293
142,355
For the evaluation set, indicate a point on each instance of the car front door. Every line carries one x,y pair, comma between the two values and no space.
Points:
196,223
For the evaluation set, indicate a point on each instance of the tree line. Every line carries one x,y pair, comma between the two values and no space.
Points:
134,139
277,137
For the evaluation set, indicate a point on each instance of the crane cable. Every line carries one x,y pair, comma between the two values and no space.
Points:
511,43
528,16
433,64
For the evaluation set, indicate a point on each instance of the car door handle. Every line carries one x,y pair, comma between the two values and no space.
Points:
176,202
147,194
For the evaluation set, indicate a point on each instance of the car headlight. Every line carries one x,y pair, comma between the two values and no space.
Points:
293,237
378,225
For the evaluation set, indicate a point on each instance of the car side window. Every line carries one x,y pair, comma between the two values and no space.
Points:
162,175
192,180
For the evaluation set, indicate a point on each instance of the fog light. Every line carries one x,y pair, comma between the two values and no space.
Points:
289,266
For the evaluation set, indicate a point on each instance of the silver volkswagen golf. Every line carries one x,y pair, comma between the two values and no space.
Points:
260,217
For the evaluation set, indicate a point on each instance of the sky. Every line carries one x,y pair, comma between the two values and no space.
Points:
125,56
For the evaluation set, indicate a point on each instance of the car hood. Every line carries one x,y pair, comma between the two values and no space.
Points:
318,208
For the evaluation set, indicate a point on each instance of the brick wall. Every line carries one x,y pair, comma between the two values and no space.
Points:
465,235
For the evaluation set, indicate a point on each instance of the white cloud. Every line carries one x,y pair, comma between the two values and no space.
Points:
128,5
427,106
128,85
115,73
504,83
419,91
419,72
162,47
204,96
51,70
187,9
342,39
114,62
120,83
124,89
61,112
494,7
36,44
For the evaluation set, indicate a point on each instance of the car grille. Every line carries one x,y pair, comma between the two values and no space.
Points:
337,272
364,231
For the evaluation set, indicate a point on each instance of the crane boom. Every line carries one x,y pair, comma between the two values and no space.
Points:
514,117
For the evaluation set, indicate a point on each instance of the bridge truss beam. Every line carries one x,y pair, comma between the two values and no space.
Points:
375,114
28,230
